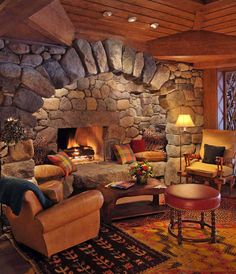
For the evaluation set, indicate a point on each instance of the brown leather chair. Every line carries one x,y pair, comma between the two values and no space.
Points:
65,224
223,171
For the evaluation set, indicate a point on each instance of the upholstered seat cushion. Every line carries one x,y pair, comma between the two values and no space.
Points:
207,170
151,156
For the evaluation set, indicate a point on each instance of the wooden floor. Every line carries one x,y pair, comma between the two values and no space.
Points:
10,261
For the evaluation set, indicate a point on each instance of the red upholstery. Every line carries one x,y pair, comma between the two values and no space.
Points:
192,197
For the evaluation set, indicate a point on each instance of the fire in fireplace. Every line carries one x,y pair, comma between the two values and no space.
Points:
81,144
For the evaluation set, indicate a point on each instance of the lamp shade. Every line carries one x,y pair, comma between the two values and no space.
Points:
184,120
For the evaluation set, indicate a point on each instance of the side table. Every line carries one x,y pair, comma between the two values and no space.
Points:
111,211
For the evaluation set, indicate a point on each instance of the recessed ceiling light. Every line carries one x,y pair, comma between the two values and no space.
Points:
154,25
132,19
107,13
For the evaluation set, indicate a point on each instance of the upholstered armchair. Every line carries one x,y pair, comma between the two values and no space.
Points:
216,159
65,224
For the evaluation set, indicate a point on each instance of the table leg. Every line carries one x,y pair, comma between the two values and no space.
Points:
106,212
179,216
213,226
172,218
202,222
155,200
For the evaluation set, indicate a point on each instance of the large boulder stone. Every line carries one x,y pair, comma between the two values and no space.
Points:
161,76
37,49
32,60
27,119
65,104
10,70
128,59
149,68
51,104
79,104
83,83
83,48
174,151
127,121
57,50
114,53
172,167
85,118
49,134
19,48
56,73
100,56
72,65
36,82
6,56
91,103
22,169
138,65
110,104
23,150
27,100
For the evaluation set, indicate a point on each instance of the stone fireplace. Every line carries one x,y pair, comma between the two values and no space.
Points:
103,84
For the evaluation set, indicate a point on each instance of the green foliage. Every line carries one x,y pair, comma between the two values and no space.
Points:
12,132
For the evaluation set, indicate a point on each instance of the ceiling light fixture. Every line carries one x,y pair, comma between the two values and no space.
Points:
107,13
132,19
154,25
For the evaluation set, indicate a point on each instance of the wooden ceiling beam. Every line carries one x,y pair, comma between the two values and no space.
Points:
199,19
195,43
53,22
12,12
185,5
218,5
224,63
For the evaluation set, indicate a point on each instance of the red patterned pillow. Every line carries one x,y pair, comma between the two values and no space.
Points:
62,160
138,145
124,154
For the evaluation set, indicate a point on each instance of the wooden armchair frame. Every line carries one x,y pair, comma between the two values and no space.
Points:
219,179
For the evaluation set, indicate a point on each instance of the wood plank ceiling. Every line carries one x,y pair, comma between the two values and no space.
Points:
174,17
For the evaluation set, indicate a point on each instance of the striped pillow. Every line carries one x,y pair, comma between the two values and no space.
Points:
62,160
124,154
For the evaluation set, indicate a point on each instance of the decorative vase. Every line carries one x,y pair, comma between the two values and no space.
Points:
141,180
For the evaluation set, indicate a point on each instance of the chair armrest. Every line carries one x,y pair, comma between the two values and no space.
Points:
69,210
188,157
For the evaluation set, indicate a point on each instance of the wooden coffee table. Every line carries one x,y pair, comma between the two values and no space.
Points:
111,211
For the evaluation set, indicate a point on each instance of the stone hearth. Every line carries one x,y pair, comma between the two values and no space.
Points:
98,84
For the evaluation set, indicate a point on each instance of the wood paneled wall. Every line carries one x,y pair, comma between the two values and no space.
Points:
210,100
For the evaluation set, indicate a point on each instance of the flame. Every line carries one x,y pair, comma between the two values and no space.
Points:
72,143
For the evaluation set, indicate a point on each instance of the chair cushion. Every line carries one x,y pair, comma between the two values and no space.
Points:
48,172
152,156
207,170
211,152
124,154
53,190
138,145
62,160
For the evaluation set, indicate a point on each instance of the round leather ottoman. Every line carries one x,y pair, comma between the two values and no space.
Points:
192,197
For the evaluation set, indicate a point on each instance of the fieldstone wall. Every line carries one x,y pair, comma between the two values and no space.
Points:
102,83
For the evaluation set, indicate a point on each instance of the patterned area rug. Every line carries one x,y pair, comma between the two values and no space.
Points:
190,257
113,252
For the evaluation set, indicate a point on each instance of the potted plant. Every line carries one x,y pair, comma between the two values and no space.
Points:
141,171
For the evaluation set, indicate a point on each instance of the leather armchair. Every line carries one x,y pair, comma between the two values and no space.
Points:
68,223
223,171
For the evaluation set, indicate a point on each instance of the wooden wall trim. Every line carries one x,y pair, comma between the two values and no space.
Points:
210,98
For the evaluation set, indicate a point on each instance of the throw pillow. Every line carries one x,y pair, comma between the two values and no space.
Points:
62,160
151,156
211,152
53,190
138,145
124,154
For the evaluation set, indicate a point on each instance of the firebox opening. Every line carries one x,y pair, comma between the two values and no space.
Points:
82,144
